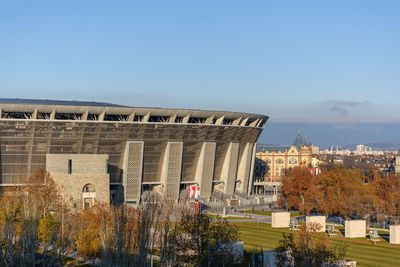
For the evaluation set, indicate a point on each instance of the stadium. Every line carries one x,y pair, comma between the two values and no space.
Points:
115,153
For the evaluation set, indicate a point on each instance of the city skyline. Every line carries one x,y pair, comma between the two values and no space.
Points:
325,135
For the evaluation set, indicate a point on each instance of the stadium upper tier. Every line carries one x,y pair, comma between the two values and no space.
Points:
146,148
97,111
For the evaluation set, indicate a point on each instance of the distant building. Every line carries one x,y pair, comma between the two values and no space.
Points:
396,164
334,150
363,150
272,162
360,149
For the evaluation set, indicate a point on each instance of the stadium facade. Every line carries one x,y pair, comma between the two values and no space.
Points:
117,153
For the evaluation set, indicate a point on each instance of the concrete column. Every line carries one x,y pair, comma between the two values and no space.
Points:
229,168
244,173
133,171
205,169
251,175
172,168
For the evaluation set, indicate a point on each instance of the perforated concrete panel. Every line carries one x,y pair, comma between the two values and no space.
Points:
171,171
394,236
280,219
133,170
355,228
317,219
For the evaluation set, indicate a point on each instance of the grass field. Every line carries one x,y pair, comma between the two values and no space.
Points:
268,212
360,249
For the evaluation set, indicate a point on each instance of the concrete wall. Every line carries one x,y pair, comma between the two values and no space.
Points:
81,163
86,169
394,236
355,228
72,185
280,219
317,219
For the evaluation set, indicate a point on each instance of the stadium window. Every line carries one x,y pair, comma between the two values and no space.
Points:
70,166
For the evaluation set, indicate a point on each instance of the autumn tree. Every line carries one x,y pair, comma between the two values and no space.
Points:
47,229
307,248
301,189
345,192
42,193
91,224
29,220
198,237
388,197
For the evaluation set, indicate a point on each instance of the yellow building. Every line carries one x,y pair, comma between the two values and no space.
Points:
272,162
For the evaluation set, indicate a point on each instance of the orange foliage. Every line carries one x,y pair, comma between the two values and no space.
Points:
388,192
301,189
102,227
91,221
345,193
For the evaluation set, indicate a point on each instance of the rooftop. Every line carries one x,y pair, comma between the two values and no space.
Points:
33,109
56,102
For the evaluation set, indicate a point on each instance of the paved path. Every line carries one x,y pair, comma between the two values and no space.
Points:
250,217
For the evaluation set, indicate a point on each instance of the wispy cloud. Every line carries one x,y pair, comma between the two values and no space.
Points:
340,110
343,107
337,111
348,103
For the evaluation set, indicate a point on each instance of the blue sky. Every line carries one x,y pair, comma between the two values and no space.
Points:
296,61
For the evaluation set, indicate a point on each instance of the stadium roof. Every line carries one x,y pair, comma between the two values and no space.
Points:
56,102
99,111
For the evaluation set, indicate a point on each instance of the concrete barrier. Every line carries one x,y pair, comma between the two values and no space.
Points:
317,219
280,219
394,234
355,228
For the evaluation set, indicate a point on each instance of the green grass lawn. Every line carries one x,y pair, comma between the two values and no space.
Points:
360,249
268,212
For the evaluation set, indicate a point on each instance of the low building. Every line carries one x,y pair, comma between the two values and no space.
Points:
83,178
272,162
